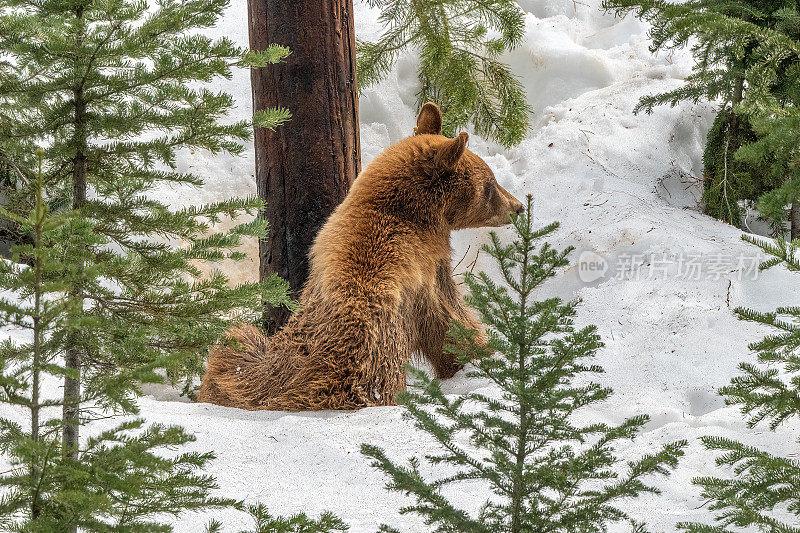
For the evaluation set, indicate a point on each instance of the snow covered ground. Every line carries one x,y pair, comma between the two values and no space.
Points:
625,191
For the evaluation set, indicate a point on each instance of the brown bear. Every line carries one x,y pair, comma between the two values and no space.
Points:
380,288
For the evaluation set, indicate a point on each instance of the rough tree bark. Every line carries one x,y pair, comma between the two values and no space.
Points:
305,167
795,220
70,436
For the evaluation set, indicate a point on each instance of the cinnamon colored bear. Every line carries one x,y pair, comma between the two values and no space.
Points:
380,288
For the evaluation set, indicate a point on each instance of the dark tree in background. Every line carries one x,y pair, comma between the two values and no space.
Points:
304,171
747,60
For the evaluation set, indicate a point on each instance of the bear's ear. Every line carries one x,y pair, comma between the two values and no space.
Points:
449,154
429,120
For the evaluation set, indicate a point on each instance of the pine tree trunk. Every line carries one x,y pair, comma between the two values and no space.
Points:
72,358
37,344
795,220
518,482
305,167
734,123
732,144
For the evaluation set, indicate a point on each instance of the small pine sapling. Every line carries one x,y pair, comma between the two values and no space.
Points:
109,93
120,476
544,471
763,492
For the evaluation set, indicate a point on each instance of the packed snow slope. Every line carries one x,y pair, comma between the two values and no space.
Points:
624,188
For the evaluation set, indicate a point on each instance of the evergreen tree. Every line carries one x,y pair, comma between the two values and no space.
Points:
777,151
775,115
108,92
459,43
763,493
264,522
735,65
119,479
546,473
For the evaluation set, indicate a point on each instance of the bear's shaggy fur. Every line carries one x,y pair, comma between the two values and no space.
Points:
380,289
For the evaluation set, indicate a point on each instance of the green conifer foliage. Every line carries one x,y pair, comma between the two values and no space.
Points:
776,151
459,43
118,480
545,472
745,51
264,522
107,92
110,91
763,492
727,180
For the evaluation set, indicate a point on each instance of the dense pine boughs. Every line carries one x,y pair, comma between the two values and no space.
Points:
545,472
108,90
730,39
104,284
763,492
459,43
777,154
747,56
120,476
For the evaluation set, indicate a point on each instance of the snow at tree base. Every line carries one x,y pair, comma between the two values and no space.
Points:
656,276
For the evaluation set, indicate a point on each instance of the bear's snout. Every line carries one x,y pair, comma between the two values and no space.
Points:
512,205
516,206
